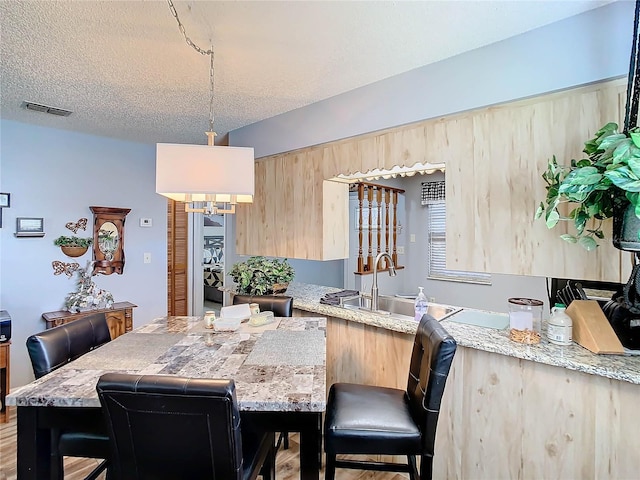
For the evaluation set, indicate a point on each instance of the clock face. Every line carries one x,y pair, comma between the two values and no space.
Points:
4,200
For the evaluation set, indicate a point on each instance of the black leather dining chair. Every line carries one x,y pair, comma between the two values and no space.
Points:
281,306
171,427
373,420
50,350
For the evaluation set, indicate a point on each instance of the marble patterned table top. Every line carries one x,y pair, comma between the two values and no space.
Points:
574,357
274,380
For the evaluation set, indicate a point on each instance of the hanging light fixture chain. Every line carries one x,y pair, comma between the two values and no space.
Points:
202,52
220,194
184,33
211,92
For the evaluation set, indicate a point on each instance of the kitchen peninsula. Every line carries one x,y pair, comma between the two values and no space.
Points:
509,410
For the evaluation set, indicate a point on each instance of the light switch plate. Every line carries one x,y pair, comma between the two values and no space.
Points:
146,222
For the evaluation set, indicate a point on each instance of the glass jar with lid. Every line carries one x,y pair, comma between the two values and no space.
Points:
525,320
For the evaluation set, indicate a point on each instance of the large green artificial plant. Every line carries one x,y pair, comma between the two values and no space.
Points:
608,178
258,275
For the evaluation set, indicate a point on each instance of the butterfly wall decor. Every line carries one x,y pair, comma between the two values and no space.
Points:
80,224
66,268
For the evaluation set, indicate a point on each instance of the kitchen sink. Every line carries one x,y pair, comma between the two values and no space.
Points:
395,306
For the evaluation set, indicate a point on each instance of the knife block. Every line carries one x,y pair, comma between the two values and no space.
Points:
591,329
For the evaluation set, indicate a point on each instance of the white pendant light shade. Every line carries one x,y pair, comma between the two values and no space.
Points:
208,179
204,173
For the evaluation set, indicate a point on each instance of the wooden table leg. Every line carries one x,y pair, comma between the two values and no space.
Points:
309,424
311,447
34,446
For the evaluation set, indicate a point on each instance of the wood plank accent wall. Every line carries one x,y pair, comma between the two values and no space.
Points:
494,190
494,159
296,213
520,419
503,417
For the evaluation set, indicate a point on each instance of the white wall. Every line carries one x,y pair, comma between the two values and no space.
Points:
57,175
590,47
309,271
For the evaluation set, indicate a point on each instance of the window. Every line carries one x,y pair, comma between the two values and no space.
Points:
433,198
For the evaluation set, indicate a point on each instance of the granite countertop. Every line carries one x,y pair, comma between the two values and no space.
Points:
279,369
574,357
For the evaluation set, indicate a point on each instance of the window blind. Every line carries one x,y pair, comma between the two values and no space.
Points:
437,218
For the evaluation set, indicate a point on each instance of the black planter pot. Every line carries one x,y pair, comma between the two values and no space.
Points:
626,226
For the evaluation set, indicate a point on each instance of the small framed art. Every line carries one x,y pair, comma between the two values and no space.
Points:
29,227
5,200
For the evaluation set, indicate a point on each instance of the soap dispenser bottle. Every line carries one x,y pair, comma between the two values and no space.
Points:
420,305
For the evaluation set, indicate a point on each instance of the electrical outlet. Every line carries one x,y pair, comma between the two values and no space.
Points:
432,299
401,250
147,257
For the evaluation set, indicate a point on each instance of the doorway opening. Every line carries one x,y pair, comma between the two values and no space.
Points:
213,260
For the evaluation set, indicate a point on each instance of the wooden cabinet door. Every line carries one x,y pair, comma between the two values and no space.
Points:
116,323
177,258
494,189
296,213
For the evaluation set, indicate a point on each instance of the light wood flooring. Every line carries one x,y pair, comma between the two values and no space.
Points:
76,469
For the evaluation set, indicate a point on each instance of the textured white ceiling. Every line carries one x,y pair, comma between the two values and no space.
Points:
125,71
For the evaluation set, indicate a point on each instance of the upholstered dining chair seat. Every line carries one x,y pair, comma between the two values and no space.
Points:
89,443
375,420
365,418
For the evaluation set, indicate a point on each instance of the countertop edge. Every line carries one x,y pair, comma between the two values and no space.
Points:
624,368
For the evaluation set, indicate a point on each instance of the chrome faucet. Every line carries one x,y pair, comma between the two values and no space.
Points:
374,287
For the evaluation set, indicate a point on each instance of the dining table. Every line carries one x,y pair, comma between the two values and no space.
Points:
279,370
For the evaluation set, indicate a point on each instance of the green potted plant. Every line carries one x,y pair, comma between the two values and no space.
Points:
605,184
73,246
262,276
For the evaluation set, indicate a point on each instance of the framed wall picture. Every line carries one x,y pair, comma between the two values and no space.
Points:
29,227
5,200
